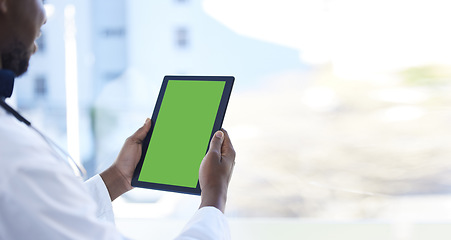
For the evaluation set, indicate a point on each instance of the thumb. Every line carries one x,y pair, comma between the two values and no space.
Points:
141,133
216,142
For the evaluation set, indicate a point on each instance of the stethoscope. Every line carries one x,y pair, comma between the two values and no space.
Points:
78,169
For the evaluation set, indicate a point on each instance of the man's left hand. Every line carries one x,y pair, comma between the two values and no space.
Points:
118,176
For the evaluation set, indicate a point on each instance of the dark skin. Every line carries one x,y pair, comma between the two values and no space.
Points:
216,170
214,173
20,23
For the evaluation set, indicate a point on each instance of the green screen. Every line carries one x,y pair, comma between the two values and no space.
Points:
182,132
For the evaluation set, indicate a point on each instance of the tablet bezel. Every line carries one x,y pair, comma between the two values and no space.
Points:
229,80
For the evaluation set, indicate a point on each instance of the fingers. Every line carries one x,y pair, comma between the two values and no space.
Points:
216,142
141,133
226,138
227,147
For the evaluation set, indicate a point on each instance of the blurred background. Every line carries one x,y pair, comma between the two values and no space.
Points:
340,114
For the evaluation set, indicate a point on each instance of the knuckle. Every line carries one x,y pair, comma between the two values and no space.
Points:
232,153
131,140
214,152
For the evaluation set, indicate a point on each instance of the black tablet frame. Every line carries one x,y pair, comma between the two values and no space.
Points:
229,81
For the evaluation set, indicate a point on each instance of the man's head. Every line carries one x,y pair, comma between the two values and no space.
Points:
20,24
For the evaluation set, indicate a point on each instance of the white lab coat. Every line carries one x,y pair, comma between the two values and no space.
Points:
41,198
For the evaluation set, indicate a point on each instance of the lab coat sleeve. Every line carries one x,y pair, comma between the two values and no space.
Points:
47,204
98,191
207,223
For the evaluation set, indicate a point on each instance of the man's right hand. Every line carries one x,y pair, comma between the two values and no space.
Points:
216,170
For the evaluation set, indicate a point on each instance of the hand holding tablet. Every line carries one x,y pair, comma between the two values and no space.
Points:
189,110
216,170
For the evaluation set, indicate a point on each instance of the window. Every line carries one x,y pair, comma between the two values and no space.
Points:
328,123
40,86
182,37
113,32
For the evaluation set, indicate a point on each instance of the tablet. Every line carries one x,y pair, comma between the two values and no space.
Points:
189,110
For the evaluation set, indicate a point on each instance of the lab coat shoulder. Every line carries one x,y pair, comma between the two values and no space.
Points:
39,195
20,145
21,149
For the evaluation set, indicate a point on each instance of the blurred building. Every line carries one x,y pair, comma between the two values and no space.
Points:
123,50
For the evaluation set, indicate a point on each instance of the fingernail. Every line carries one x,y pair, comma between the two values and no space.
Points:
147,120
219,134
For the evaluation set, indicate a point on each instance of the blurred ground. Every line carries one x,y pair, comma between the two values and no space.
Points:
312,145
292,229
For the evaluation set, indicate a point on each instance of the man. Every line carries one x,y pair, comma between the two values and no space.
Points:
40,198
